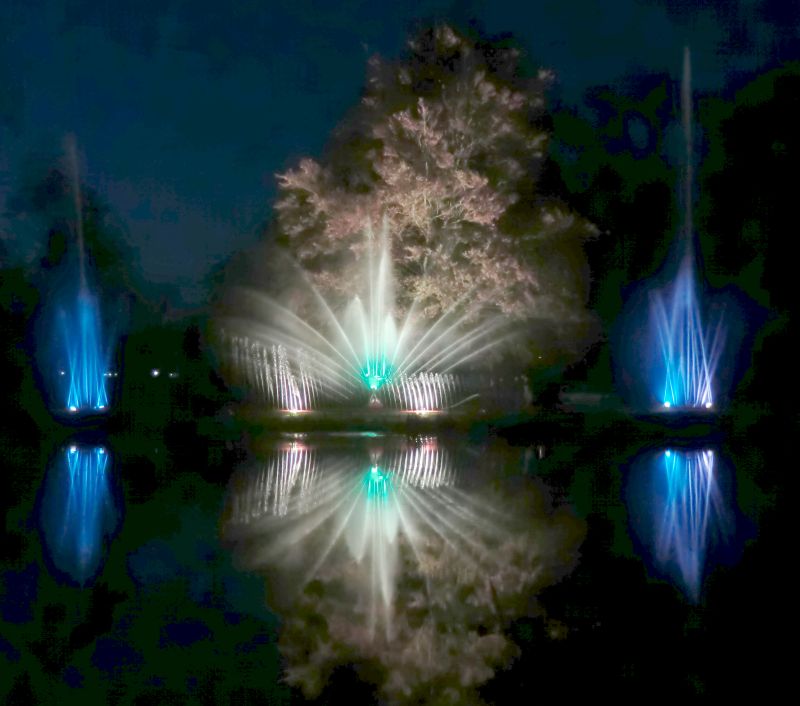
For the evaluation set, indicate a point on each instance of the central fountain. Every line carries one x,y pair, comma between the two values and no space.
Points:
364,353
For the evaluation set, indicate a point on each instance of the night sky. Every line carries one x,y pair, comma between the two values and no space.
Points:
183,111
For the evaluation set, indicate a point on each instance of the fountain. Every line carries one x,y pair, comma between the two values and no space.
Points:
689,346
678,359
360,353
83,369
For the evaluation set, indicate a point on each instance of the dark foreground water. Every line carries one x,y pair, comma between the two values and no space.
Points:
433,567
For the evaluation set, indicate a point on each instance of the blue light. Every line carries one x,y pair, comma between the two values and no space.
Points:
78,511
85,386
689,349
680,515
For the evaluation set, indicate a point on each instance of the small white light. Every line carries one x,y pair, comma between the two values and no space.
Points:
100,450
73,408
155,372
708,405
73,449
173,375
668,453
61,372
101,406
667,405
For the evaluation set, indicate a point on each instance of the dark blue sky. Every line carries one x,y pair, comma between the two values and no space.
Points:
184,109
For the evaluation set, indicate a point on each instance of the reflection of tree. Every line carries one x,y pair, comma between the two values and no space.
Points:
466,561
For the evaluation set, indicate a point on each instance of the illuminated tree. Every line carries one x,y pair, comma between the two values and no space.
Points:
446,148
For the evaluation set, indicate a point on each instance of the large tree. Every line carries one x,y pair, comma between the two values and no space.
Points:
445,148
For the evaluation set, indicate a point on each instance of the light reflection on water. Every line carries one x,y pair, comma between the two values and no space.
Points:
409,551
78,510
683,515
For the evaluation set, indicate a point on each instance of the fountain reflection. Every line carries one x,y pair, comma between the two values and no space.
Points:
405,551
78,511
688,516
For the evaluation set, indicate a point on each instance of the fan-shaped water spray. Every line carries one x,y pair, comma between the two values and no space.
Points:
362,352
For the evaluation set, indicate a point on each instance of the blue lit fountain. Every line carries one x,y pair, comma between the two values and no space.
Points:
689,344
83,372
676,355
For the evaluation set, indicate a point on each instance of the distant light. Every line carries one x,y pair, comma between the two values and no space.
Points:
667,405
708,405
61,372
73,408
100,450
173,375
73,449
101,406
668,453
155,372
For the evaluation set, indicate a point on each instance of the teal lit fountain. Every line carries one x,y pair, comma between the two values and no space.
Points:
364,352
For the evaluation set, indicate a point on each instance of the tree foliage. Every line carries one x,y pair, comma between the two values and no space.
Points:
445,148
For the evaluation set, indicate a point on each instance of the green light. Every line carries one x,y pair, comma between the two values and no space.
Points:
376,373
378,483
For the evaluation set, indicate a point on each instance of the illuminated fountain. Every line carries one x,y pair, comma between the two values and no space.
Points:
359,353
275,379
83,372
673,363
689,344
85,377
78,511
689,350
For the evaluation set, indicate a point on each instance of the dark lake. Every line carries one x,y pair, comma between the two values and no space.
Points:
434,566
